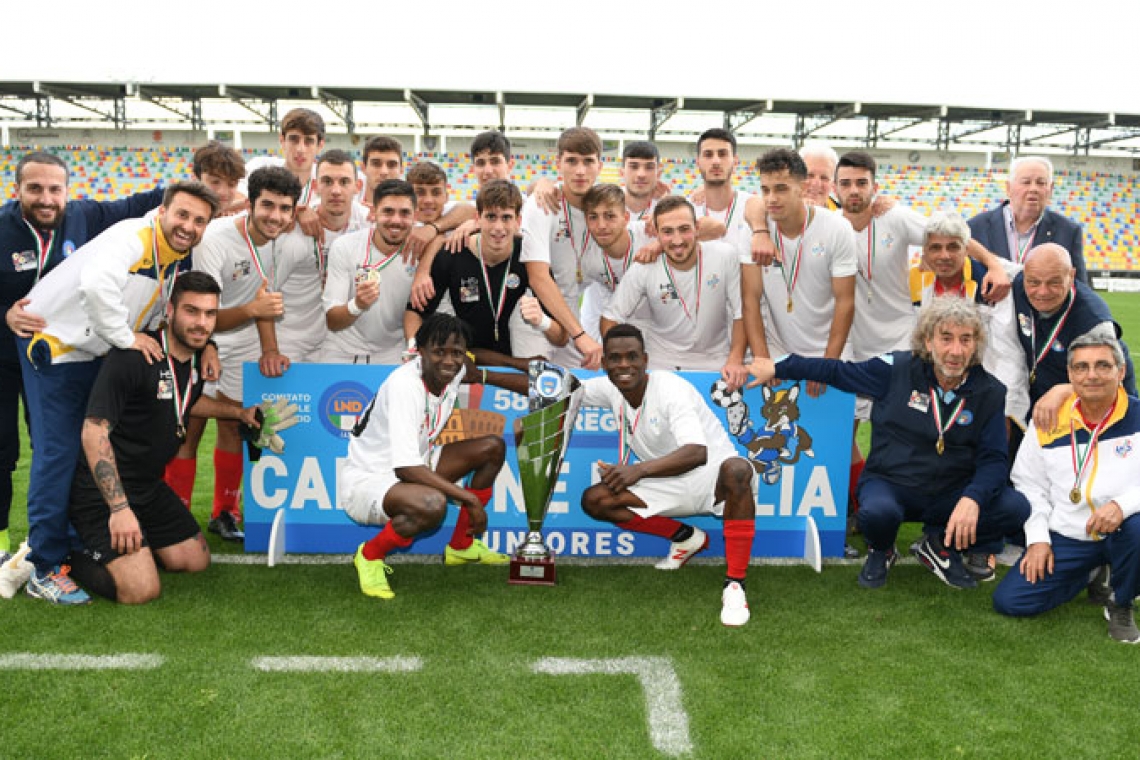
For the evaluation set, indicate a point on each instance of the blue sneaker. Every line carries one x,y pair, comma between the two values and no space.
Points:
56,586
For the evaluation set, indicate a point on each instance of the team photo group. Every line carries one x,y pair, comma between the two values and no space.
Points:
1000,396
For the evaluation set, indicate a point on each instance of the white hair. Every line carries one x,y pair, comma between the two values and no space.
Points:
1023,160
820,150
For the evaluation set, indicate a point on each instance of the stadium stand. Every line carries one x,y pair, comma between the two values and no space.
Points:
1105,203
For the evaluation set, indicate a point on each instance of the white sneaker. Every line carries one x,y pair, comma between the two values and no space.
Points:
14,572
681,552
734,606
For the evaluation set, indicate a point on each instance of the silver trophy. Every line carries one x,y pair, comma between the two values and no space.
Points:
541,438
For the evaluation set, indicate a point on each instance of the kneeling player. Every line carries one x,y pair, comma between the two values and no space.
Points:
687,465
394,476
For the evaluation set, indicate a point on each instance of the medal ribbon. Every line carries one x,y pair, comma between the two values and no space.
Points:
578,254
672,281
496,309
167,287
1081,459
434,425
181,402
627,431
387,258
1039,355
45,248
934,403
1022,250
790,281
727,214
625,267
256,256
871,245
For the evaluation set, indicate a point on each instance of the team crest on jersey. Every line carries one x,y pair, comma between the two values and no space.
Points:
887,241
818,249
68,248
919,402
965,418
666,292
713,281
563,232
1124,448
513,281
1057,347
1024,322
22,261
165,386
469,290
241,269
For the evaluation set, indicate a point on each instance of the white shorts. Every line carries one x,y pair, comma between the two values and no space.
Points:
330,355
231,382
863,407
364,502
687,495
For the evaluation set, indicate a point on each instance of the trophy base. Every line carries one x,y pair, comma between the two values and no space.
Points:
532,571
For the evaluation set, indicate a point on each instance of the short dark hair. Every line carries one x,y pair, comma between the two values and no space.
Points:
857,159
427,173
396,187
782,159
672,203
581,140
499,193
624,330
641,149
336,157
382,144
41,157
275,179
492,141
218,159
717,133
303,120
196,189
604,194
437,328
194,281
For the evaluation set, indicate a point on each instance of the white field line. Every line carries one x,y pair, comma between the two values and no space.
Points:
337,664
33,661
668,721
435,559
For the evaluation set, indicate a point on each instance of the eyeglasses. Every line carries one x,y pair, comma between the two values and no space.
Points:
1101,368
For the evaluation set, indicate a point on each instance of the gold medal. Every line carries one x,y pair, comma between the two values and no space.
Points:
1075,495
1032,377
181,432
579,275
940,447
790,304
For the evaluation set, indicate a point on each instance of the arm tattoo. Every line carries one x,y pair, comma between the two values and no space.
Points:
104,469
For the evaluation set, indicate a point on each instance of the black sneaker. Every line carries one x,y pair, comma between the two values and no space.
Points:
1121,625
226,526
876,567
944,562
978,565
1099,591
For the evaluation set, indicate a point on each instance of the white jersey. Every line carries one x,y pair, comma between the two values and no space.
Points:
399,426
884,316
106,291
224,254
602,274
377,335
736,231
826,251
691,313
672,414
562,241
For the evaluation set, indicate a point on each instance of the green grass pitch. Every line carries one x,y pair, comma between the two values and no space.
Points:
460,665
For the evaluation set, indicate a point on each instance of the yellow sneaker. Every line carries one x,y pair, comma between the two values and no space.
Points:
373,575
475,554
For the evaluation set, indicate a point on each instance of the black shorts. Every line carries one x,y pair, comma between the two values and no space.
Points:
162,517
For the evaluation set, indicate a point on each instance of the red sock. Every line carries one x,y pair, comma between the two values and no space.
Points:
665,527
459,538
738,535
227,482
856,473
384,542
180,477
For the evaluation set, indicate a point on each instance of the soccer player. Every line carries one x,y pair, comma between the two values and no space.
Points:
301,140
339,212
555,246
100,297
641,178
369,280
436,214
809,293
381,159
486,281
1084,493
250,256
717,199
38,228
692,294
938,446
220,168
686,466
137,414
396,477
491,157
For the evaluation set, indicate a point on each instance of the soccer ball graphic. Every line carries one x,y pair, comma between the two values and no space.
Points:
722,396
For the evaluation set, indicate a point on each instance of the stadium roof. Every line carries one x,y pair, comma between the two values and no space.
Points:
355,109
